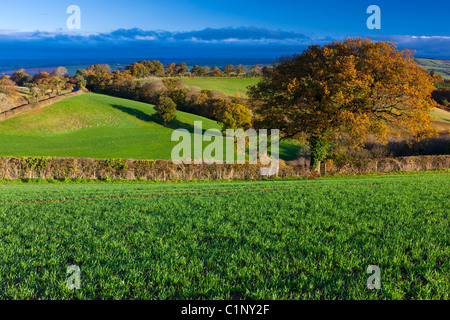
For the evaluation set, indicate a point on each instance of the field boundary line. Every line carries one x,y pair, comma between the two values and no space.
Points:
148,196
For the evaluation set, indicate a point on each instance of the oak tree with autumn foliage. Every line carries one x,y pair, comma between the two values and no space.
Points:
354,88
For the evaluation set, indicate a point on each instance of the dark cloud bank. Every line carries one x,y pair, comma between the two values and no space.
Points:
244,42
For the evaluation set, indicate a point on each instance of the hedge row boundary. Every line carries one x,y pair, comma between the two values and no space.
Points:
165,170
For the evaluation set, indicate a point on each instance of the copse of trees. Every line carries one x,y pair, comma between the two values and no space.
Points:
353,88
48,84
144,69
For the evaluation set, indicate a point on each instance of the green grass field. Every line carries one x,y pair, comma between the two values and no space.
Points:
441,119
98,126
311,239
441,115
235,87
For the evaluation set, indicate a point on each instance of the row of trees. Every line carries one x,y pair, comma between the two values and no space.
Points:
144,69
40,85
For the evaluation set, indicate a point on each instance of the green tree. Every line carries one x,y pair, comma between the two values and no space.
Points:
80,81
98,77
20,77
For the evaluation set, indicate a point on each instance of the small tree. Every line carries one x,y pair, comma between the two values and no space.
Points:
166,109
36,91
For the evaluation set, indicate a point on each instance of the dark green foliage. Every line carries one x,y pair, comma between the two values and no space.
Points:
319,148
166,109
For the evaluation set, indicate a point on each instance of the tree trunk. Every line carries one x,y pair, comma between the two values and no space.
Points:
319,146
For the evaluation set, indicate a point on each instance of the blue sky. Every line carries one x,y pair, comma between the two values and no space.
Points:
415,24
400,17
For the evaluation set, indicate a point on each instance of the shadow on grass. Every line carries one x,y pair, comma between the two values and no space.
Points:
174,124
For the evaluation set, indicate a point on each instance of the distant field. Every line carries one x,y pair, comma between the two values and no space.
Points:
246,240
98,126
235,87
441,67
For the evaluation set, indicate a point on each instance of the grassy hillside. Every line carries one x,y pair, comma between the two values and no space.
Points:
230,86
98,126
441,119
441,67
263,240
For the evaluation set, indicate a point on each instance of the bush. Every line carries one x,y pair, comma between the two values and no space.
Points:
166,109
